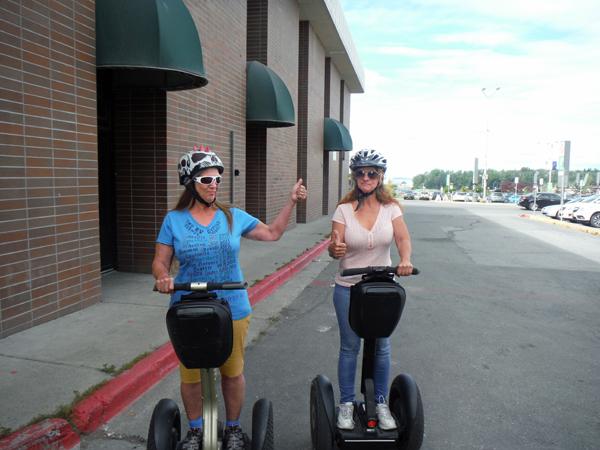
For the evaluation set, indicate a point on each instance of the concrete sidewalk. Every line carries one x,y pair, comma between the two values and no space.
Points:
48,366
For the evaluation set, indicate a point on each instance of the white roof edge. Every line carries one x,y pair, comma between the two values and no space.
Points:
328,20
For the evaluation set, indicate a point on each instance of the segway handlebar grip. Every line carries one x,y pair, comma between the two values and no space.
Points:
372,270
208,286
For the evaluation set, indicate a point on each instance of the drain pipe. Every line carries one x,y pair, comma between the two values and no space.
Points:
232,156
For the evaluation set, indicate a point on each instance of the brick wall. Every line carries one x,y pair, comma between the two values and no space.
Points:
331,176
311,94
345,119
284,17
271,153
140,160
314,145
48,170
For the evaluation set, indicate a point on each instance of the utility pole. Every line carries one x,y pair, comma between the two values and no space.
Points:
487,132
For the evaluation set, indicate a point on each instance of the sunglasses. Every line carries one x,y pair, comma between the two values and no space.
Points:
208,180
373,175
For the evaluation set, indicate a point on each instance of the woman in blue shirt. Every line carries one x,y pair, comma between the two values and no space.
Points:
204,236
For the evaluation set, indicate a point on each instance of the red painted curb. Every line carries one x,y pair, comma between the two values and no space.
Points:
104,404
303,260
50,434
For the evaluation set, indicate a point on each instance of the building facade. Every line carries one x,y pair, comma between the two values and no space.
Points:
91,132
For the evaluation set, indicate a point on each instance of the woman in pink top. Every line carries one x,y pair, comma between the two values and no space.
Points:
365,224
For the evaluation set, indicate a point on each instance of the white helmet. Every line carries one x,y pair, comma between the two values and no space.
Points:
196,161
368,158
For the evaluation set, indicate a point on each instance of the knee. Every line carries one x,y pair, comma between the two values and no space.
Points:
382,349
350,348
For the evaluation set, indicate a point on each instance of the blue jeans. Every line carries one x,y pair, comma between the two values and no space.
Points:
350,347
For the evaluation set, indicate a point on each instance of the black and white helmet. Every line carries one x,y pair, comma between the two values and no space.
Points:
196,161
368,158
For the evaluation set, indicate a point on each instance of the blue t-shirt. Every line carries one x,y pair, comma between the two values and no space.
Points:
209,254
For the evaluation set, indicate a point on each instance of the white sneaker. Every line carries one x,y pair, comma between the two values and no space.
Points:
384,417
344,420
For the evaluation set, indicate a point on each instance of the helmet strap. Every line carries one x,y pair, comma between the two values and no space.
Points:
363,196
197,196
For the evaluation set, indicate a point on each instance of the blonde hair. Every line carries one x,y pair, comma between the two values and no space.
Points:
381,193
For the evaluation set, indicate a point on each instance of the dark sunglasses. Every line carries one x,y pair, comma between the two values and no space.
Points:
373,175
208,180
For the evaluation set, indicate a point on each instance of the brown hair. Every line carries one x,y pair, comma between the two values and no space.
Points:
186,201
381,193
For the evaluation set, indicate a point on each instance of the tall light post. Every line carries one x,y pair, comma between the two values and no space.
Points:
487,132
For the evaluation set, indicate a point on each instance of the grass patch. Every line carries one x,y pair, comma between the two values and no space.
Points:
108,369
4,431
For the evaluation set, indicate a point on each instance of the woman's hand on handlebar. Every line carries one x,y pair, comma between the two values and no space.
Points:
165,285
404,269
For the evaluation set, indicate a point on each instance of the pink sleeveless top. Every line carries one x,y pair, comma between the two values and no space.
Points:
363,247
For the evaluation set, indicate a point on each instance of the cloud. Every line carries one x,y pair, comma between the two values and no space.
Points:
426,63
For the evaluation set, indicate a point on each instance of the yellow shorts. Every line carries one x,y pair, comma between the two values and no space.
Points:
234,366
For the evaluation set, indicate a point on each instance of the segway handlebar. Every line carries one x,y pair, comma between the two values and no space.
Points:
374,269
208,286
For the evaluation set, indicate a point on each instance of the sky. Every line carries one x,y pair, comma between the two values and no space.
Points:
427,61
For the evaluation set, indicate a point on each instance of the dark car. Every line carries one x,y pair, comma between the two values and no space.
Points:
409,195
542,199
524,200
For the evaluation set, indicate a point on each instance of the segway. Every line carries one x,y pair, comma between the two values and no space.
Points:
376,304
201,331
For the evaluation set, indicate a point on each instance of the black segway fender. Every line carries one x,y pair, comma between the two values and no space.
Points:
328,400
165,426
404,389
407,406
322,413
262,425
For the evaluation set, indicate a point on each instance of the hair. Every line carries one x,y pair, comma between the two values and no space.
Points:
186,201
381,193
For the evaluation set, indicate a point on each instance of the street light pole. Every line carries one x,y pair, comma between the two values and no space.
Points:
487,132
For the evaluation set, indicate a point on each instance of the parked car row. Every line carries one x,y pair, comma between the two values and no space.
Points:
584,210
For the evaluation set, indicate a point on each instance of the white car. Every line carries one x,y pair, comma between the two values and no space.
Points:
567,213
459,197
588,213
555,211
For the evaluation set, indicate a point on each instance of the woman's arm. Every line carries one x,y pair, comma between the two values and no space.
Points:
404,248
160,268
262,232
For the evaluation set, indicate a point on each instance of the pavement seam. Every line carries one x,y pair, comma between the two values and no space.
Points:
91,413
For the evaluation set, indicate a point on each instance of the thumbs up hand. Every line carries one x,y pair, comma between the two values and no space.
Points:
337,248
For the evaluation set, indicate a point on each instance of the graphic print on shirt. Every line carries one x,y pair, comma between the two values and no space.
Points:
208,256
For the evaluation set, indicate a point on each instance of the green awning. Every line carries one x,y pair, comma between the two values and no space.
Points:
336,137
149,44
268,101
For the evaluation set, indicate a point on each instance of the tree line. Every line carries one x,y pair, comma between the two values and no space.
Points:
503,179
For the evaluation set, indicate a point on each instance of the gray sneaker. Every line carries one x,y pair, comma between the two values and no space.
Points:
344,419
193,440
384,417
234,438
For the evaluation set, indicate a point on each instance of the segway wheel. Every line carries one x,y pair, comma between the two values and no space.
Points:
165,427
407,406
320,429
263,437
